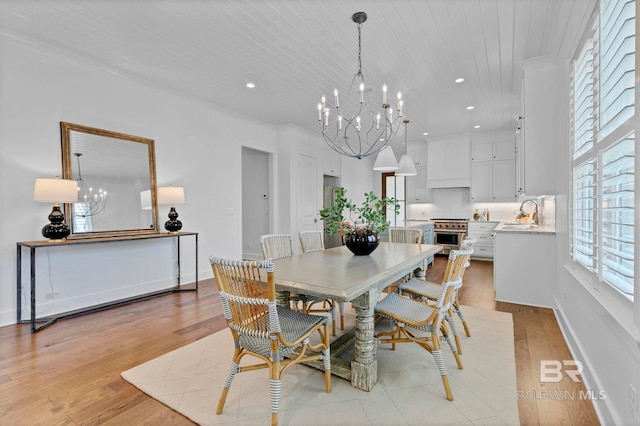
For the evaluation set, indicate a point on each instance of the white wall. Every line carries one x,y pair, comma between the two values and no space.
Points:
197,145
599,334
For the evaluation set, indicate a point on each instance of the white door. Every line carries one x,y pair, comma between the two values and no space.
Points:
309,198
255,201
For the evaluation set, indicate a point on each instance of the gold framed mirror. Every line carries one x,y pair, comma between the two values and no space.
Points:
116,176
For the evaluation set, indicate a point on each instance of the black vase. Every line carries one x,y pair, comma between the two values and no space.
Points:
362,241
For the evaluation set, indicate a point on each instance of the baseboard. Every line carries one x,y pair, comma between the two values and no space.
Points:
604,412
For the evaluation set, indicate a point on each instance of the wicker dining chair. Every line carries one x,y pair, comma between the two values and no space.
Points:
264,330
404,312
401,234
311,241
280,246
430,291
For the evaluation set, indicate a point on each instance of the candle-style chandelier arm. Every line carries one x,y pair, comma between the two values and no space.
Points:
367,141
366,131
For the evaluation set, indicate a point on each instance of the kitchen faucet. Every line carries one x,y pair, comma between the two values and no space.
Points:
535,210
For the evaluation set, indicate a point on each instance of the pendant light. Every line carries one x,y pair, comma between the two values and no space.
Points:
386,161
406,166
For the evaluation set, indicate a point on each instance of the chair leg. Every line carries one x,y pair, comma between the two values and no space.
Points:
275,388
332,304
437,355
447,338
341,307
454,331
233,370
458,310
326,359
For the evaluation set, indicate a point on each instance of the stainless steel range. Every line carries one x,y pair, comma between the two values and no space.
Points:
449,233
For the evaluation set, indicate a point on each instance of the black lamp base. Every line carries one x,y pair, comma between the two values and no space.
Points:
57,230
173,224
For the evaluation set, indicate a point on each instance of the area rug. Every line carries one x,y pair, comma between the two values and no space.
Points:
409,389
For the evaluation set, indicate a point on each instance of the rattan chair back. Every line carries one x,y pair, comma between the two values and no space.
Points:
276,246
311,241
399,234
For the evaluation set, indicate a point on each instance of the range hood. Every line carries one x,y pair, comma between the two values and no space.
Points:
448,162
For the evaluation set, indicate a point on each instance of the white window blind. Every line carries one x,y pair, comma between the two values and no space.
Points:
616,64
583,102
584,215
618,163
603,161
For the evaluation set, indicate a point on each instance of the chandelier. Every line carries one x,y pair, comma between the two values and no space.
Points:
91,202
367,128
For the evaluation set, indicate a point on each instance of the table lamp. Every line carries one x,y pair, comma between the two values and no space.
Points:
171,195
56,191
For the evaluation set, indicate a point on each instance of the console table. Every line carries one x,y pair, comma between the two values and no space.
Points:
48,320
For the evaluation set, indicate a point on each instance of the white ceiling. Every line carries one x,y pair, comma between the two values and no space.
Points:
295,51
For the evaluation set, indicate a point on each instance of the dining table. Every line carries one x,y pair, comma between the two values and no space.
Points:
339,275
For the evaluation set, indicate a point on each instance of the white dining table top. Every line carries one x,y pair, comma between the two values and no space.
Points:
338,274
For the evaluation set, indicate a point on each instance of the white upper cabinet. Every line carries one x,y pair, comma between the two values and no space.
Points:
538,141
416,186
418,153
482,150
493,169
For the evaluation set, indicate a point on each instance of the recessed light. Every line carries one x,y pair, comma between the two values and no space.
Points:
476,126
251,85
425,134
470,107
459,80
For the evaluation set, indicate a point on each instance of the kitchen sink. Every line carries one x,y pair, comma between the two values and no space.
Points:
522,226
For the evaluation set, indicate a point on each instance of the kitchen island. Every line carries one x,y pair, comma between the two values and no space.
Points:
524,264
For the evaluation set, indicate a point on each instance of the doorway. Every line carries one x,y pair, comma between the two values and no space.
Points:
255,201
330,185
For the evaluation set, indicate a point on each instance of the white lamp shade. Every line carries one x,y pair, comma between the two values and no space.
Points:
145,199
55,190
406,167
386,161
171,195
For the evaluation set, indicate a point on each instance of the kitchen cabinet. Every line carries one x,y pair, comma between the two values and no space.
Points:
418,153
448,162
523,269
493,170
537,133
482,231
427,234
416,186
428,238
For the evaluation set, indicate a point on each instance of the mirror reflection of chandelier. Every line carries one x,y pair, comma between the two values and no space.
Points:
358,128
91,201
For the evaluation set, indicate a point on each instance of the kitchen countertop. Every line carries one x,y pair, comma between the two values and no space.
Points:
511,227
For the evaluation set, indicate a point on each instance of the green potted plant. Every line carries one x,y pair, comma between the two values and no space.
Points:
362,225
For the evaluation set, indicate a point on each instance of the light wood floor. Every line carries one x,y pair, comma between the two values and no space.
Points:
69,373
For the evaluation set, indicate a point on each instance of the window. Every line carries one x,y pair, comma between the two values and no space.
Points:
82,217
603,148
393,187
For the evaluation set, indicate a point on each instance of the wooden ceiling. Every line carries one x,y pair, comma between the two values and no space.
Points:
295,51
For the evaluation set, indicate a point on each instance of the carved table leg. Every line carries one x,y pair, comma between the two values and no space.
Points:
364,367
282,298
422,270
